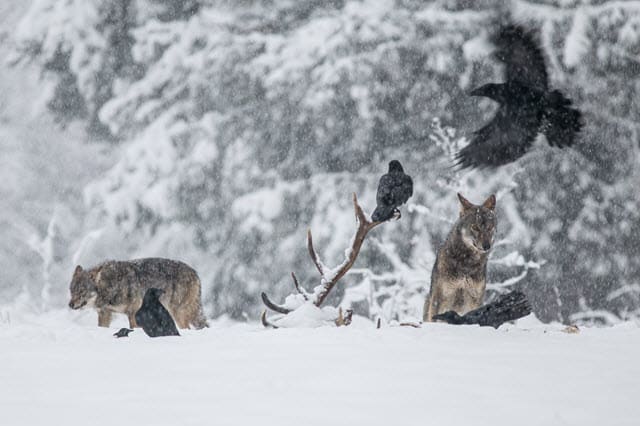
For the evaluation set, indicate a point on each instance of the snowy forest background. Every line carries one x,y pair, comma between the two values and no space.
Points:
216,132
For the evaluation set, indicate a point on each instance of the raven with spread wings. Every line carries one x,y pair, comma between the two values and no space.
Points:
527,106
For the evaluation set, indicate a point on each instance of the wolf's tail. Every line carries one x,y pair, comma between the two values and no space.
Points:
561,122
508,307
382,213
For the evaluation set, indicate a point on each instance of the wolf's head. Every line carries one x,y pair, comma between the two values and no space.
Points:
83,289
477,224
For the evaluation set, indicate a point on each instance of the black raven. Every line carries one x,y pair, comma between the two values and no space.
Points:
123,332
394,189
507,307
527,106
154,318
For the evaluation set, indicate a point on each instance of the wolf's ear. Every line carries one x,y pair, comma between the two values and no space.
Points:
78,270
465,205
490,203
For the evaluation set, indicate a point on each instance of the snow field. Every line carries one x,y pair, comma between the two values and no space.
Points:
60,368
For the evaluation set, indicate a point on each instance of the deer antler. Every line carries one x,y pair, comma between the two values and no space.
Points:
281,309
328,277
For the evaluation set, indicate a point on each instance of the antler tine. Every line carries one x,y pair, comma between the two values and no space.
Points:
314,254
329,277
362,218
265,321
297,286
273,306
364,226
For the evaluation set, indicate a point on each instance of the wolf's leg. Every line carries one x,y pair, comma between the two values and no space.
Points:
179,315
181,320
431,306
104,318
132,319
426,309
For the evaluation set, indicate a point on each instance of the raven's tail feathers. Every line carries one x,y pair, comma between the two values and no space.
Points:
561,122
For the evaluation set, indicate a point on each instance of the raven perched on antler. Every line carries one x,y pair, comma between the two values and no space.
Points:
527,106
394,189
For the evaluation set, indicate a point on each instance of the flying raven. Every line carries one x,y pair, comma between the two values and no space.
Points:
394,189
154,318
527,106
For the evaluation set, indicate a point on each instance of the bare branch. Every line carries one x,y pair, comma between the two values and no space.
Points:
274,307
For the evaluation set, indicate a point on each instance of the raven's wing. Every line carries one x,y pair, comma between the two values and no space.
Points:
145,319
384,199
166,322
508,307
561,122
406,189
384,196
503,140
522,55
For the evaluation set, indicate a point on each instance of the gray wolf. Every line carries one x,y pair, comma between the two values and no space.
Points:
154,319
119,286
458,278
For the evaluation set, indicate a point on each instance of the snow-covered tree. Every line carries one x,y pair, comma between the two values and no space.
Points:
244,123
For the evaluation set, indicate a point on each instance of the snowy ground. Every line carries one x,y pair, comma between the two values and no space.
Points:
60,368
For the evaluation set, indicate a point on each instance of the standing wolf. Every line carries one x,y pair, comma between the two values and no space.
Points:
458,279
119,286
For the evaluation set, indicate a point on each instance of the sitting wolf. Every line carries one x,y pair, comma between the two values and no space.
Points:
458,279
119,286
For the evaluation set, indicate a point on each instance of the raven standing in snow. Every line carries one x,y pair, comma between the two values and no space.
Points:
154,318
527,106
394,189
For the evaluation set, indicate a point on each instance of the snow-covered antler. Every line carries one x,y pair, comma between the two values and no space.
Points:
329,277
